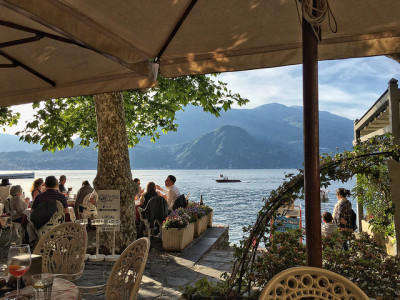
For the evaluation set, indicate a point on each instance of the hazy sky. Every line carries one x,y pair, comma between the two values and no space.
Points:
347,87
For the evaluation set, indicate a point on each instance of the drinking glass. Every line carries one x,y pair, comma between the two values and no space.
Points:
19,261
42,286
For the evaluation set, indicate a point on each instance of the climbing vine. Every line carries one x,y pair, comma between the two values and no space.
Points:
365,159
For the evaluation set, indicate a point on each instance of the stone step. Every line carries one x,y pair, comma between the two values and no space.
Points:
212,238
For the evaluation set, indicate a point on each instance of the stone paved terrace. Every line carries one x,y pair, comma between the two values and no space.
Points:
208,256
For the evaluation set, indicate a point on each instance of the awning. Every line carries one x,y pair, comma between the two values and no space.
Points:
38,63
188,37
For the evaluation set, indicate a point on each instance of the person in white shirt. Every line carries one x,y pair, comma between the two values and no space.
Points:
171,193
328,228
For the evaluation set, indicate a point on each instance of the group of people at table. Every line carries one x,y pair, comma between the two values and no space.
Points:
33,214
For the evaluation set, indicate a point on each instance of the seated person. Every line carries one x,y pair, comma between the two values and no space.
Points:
328,227
89,206
150,193
140,192
85,190
17,205
156,209
171,193
45,205
4,190
2,223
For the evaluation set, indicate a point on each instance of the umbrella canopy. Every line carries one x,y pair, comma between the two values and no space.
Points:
108,44
199,37
38,63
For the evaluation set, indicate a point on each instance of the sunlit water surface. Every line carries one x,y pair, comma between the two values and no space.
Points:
235,204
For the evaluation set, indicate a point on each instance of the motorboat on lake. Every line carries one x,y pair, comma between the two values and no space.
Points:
223,178
323,195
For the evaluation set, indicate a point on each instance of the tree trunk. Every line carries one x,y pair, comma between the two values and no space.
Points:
113,167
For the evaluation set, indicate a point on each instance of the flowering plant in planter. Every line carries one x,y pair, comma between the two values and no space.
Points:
176,220
207,209
195,211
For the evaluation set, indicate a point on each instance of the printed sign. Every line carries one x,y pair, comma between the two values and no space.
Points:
283,223
108,207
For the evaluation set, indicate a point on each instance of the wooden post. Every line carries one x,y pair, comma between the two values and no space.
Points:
311,147
393,166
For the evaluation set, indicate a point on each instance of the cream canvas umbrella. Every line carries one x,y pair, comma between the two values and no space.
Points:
203,36
38,63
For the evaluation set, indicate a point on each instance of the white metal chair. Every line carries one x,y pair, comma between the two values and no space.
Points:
16,227
126,275
63,250
304,282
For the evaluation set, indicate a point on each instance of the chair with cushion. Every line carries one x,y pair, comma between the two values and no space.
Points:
56,219
63,250
180,202
126,273
156,212
305,282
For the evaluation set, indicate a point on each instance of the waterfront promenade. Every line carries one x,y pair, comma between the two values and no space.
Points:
208,256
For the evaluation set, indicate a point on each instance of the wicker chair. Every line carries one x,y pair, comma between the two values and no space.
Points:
302,282
63,250
126,275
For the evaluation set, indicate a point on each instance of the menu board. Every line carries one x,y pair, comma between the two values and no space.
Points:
108,207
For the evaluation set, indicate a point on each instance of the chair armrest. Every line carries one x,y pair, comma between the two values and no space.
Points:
92,290
71,277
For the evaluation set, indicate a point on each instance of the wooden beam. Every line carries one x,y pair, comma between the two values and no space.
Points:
311,146
373,112
374,133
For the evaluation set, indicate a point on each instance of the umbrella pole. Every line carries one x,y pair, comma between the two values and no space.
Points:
311,146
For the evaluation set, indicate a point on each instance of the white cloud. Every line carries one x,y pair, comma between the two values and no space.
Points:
347,87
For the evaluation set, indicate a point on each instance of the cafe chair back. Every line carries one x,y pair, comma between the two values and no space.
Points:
304,282
15,226
56,219
63,250
126,274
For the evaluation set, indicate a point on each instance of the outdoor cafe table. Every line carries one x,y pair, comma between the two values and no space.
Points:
62,290
71,217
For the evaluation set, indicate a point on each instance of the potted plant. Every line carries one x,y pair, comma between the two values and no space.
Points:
196,214
209,214
177,231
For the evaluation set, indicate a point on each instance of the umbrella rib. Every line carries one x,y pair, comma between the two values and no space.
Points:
39,33
175,30
21,41
25,67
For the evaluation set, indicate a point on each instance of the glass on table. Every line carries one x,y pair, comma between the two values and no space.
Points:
42,285
19,261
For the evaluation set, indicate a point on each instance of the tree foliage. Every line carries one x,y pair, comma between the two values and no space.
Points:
8,117
148,112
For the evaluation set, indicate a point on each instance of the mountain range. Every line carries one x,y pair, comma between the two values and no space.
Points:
268,136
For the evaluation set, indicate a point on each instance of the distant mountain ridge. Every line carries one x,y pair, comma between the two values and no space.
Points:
269,136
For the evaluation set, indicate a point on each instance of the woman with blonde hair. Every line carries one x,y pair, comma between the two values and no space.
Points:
36,188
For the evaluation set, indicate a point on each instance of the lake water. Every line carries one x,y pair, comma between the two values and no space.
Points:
235,204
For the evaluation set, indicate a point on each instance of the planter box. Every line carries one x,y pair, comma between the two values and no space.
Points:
200,226
390,247
210,219
177,239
